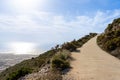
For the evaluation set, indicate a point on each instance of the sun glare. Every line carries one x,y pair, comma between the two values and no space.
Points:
22,47
25,5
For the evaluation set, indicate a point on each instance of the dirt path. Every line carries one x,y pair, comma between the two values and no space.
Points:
92,63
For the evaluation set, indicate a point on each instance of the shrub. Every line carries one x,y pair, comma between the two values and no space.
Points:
109,45
117,33
109,27
19,73
60,64
69,46
60,61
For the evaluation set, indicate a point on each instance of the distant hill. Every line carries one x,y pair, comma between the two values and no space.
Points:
110,39
57,59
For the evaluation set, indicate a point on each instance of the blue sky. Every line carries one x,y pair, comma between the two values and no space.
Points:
50,22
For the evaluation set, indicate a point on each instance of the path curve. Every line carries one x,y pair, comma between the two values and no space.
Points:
92,63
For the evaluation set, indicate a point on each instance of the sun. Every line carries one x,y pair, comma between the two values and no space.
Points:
25,5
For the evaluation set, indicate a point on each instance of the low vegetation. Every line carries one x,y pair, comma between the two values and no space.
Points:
19,73
110,39
58,57
60,61
73,45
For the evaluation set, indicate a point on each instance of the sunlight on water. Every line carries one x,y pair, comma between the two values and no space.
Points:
22,47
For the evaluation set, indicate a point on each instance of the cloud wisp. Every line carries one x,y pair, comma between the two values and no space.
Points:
48,28
44,21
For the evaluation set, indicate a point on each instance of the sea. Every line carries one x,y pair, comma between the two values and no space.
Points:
15,52
7,60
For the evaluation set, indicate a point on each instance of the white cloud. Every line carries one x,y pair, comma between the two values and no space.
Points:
52,28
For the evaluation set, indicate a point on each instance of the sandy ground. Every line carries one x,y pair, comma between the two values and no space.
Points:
92,63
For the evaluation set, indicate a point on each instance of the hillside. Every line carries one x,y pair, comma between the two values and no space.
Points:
92,63
57,58
109,40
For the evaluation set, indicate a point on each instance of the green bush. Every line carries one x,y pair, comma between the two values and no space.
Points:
60,64
69,46
60,61
117,33
19,73
109,28
109,45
